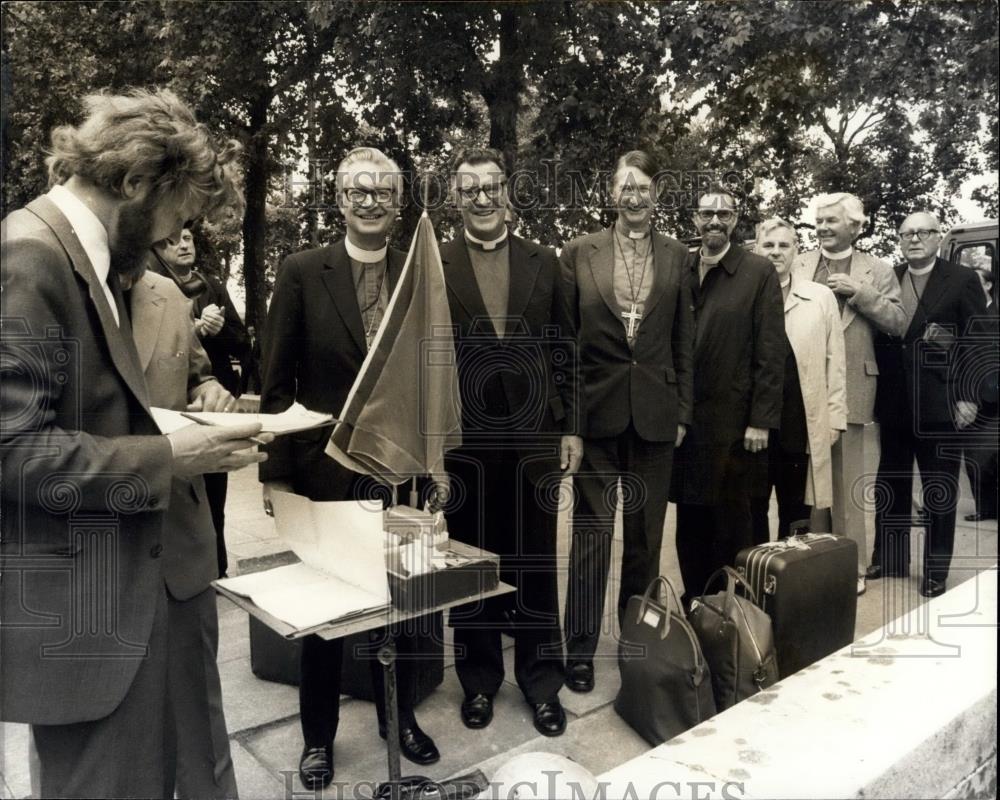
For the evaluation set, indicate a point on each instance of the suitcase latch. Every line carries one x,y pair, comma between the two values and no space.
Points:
770,584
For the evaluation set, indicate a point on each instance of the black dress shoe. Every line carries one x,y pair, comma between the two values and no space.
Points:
977,517
550,719
477,711
316,767
876,571
580,676
415,745
932,588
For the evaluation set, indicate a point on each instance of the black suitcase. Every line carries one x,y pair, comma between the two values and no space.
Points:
275,658
808,585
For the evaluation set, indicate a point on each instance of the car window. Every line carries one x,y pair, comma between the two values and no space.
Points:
979,255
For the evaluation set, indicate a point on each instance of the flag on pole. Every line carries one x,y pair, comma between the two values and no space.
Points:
403,411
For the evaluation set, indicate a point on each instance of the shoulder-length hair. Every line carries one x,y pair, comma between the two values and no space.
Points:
152,134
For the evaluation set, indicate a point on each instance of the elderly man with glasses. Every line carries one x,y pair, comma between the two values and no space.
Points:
739,360
868,297
926,401
327,307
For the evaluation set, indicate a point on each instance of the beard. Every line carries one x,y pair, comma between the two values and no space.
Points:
130,237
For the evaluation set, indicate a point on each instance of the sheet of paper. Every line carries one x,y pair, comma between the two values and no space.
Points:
296,418
168,420
302,596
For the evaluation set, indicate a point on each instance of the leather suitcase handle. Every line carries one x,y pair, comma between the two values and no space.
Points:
732,579
654,585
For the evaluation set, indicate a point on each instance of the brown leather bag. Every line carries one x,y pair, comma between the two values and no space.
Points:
736,639
666,687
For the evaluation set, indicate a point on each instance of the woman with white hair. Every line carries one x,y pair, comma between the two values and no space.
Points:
814,409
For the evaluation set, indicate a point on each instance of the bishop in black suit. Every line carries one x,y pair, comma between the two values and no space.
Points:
514,344
632,310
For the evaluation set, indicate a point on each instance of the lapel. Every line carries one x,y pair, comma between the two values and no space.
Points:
937,282
861,270
461,282
148,307
120,344
524,268
794,297
337,278
602,267
661,271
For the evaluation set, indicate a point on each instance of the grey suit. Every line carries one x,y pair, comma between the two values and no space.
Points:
875,307
86,479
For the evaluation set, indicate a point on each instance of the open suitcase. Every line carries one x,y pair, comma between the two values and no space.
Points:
808,586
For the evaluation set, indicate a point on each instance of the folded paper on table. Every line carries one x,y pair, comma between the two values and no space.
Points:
292,420
342,572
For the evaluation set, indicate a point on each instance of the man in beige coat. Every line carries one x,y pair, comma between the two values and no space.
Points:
814,407
179,376
868,296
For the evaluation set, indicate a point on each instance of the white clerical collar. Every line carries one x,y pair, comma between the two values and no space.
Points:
493,244
837,256
365,256
716,258
88,228
631,234
921,271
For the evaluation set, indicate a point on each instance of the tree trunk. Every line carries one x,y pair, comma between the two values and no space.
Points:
255,219
503,92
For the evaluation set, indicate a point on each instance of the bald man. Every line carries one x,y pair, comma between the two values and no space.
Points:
926,401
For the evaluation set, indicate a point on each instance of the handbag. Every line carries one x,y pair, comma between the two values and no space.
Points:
666,687
736,638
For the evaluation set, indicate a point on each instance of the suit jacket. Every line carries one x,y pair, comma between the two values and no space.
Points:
651,385
314,346
875,307
86,480
520,390
812,325
739,366
176,368
921,379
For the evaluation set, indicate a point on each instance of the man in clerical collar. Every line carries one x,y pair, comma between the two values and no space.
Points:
327,305
628,293
868,294
739,358
517,370
928,391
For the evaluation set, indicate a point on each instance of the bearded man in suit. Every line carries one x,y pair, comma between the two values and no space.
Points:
87,473
739,358
868,296
516,355
628,292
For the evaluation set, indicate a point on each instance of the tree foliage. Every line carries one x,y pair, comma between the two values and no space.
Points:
895,101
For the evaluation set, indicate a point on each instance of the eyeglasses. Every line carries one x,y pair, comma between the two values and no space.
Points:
361,196
491,190
724,214
923,234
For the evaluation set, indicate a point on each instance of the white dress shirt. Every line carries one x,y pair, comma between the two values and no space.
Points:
92,235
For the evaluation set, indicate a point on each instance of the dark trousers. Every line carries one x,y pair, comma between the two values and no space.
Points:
319,684
787,473
709,537
123,754
938,457
202,762
216,485
498,508
642,469
981,460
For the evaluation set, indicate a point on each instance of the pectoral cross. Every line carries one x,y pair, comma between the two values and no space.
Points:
633,316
